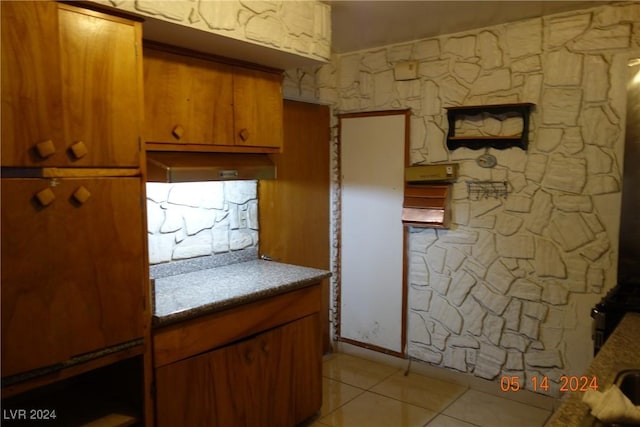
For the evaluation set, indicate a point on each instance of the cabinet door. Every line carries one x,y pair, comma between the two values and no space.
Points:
187,100
373,294
31,83
102,96
272,379
70,89
72,268
258,108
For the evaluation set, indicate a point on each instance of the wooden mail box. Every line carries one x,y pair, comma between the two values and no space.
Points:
427,206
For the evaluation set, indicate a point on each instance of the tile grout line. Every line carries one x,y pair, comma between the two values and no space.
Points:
492,395
455,418
362,391
467,388
399,370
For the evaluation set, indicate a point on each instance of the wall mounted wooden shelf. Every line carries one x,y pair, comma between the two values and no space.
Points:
482,141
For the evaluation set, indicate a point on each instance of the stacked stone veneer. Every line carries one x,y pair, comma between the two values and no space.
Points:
299,27
190,220
507,289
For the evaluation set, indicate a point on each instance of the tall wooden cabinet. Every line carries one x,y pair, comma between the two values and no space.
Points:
74,272
301,191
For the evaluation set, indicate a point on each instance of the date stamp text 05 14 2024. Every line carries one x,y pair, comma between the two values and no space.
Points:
541,383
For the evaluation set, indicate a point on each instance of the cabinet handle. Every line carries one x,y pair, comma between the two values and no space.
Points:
79,149
45,149
244,134
81,195
265,347
177,131
45,197
249,356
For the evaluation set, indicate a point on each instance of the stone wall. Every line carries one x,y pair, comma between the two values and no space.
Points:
190,220
507,290
299,27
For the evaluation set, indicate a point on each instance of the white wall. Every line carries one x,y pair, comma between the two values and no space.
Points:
508,289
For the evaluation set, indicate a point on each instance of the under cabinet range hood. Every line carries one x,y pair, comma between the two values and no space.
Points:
171,166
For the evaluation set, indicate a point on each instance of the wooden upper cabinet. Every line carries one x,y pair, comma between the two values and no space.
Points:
187,100
219,107
258,108
71,93
31,83
73,268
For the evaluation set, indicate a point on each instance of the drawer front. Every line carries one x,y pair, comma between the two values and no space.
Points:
182,340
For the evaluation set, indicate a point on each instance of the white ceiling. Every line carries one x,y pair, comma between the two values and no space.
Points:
365,24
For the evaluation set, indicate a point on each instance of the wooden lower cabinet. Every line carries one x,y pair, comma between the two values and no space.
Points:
271,379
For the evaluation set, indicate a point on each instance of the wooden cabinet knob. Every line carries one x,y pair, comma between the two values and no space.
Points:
81,195
244,134
249,356
45,197
177,131
45,149
79,149
265,347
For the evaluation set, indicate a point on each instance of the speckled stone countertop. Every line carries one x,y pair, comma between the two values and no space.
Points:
184,296
620,352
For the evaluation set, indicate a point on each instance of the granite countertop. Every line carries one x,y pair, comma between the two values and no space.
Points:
184,296
620,352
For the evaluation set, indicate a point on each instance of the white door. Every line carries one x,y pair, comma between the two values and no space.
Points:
372,157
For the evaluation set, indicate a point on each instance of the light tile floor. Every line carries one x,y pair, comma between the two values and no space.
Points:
361,393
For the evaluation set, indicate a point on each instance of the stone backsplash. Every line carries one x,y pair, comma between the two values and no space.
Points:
189,220
508,289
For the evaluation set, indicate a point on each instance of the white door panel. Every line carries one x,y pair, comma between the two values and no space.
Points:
372,156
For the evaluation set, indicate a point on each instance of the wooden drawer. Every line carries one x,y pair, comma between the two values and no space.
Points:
184,339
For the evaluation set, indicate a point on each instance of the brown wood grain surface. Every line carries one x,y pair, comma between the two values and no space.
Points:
210,105
189,92
271,379
184,339
294,208
72,276
257,98
69,75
